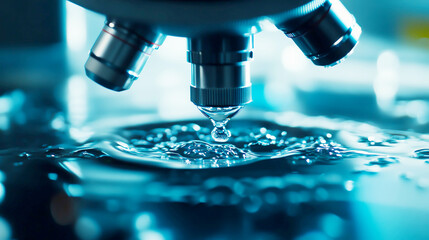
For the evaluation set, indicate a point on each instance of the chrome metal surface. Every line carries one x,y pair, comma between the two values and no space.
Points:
119,54
220,40
220,70
191,18
327,35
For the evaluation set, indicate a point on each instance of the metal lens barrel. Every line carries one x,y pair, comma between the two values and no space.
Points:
220,70
119,55
326,35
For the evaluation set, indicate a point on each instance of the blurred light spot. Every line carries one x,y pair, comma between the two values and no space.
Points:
74,190
152,235
321,194
80,135
293,59
77,100
252,204
271,198
312,236
386,82
388,61
58,123
2,176
293,197
332,225
4,122
144,221
113,205
173,48
423,183
265,25
2,192
5,104
75,26
418,109
217,198
53,176
87,228
349,185
5,229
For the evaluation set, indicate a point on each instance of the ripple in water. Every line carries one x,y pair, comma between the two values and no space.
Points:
191,146
422,154
383,161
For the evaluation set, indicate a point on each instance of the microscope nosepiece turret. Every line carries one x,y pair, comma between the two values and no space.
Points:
220,41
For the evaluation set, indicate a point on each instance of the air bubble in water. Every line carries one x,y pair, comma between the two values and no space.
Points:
191,146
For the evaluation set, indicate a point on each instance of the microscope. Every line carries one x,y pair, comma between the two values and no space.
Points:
220,41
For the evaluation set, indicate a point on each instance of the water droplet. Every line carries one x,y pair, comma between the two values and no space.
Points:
220,133
220,117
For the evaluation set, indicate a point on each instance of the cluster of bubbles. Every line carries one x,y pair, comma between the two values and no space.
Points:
193,145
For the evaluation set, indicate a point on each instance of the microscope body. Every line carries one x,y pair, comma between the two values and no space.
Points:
220,40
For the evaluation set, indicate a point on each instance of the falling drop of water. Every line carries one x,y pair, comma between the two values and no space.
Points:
220,133
220,117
